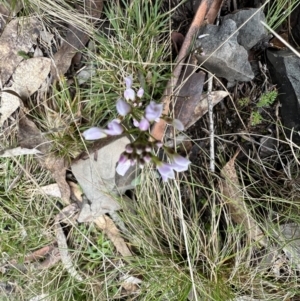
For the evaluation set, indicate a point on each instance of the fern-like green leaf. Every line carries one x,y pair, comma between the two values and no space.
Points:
267,99
256,118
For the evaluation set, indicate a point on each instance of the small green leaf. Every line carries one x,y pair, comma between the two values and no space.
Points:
24,55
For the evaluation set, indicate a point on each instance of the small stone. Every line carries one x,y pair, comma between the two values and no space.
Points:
253,31
224,59
284,68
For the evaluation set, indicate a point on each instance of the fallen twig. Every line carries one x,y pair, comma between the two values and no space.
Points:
280,38
211,125
213,11
50,255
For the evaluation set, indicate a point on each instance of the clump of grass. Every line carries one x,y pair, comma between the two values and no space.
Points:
26,224
59,117
25,217
136,45
278,12
189,245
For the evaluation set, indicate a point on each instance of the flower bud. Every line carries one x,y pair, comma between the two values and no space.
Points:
128,148
144,124
129,94
128,81
178,125
140,93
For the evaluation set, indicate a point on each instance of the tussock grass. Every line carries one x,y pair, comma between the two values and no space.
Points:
136,42
279,11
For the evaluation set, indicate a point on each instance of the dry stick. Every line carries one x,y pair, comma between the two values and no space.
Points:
213,11
159,127
280,38
211,124
40,253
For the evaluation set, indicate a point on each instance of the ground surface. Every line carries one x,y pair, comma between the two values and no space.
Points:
226,229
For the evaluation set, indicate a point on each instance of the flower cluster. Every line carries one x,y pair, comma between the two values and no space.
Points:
140,151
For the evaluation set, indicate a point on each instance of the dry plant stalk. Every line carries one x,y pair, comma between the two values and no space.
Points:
211,124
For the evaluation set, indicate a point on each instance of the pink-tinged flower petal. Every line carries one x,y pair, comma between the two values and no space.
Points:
122,167
129,94
147,158
94,133
159,144
140,93
177,167
123,107
178,125
123,158
180,160
136,123
132,161
114,128
153,111
128,81
144,124
165,171
180,163
128,149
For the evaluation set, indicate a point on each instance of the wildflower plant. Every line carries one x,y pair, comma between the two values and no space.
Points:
142,150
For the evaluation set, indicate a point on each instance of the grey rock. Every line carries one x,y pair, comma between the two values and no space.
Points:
252,31
284,256
291,239
224,58
284,68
